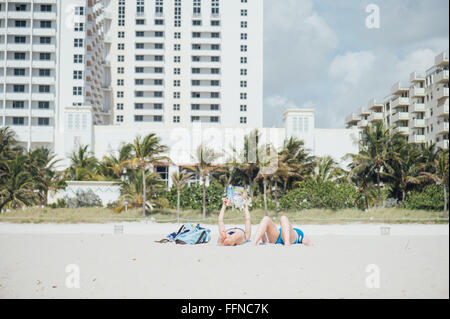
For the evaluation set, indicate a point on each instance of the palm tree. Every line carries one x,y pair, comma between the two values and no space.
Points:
268,161
376,151
179,181
327,169
84,166
406,168
204,168
42,166
440,175
146,152
111,166
17,183
7,142
248,165
134,196
361,176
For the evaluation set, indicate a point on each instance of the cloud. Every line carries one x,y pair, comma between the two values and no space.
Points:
351,67
320,53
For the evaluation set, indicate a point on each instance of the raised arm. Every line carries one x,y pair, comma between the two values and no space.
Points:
221,215
248,222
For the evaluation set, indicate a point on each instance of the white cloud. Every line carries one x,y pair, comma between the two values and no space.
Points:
352,66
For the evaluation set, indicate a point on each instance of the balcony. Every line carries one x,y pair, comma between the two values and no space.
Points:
45,15
403,130
374,106
441,77
376,117
442,93
417,92
352,119
441,59
400,101
442,111
417,123
363,124
417,107
416,77
400,116
442,128
18,31
417,139
442,144
363,112
397,88
45,32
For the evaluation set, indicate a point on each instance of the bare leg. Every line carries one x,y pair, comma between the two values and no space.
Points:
288,234
307,242
266,228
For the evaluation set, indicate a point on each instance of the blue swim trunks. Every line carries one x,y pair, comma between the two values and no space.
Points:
298,241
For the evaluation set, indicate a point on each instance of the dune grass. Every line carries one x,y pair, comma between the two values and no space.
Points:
314,216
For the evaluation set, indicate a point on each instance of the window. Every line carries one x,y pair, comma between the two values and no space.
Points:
120,94
214,119
215,23
139,118
79,11
243,71
138,82
120,70
77,90
243,48
177,71
120,58
177,59
44,56
176,107
244,24
243,60
20,24
46,24
20,39
121,34
77,58
176,119
158,106
120,82
119,118
46,8
18,121
119,106
214,107
19,72
44,105
177,47
43,121
159,22
45,40
243,84
19,56
215,7
195,107
18,88
244,12
157,118
44,72
243,108
78,27
176,95
177,35
196,22
176,83
78,43
18,104
243,120
243,36
121,46
195,118
243,96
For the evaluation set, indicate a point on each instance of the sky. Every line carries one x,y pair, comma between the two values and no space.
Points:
320,54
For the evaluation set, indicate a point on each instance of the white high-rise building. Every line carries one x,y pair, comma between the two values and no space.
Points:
175,62
419,111
51,55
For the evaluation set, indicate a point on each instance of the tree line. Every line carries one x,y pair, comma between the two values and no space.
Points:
386,167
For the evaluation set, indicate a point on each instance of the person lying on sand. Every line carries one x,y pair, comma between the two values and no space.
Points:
234,236
286,235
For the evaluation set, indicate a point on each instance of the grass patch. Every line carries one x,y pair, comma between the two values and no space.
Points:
314,216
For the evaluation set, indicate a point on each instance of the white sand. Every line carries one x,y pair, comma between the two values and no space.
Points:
413,262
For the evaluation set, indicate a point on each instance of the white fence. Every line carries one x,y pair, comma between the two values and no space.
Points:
108,192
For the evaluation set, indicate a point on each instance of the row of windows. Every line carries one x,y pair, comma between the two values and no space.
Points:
43,56
20,88
42,121
21,105
24,7
176,119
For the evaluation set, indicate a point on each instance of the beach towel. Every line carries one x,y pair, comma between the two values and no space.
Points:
189,234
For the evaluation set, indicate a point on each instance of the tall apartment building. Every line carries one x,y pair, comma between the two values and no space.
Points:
419,111
177,62
51,55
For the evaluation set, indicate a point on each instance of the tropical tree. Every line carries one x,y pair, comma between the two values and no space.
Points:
84,165
327,169
42,166
376,150
180,180
248,161
440,176
268,161
17,183
204,168
111,166
146,152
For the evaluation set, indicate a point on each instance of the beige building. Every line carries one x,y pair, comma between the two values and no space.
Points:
419,111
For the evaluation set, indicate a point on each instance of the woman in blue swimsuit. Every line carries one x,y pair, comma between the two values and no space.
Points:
286,235
234,236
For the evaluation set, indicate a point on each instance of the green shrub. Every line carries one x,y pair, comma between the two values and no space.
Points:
322,195
192,196
430,198
258,202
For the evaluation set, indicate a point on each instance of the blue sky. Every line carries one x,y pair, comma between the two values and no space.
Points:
320,54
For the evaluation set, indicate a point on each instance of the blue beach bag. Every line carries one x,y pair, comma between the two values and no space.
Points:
191,234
